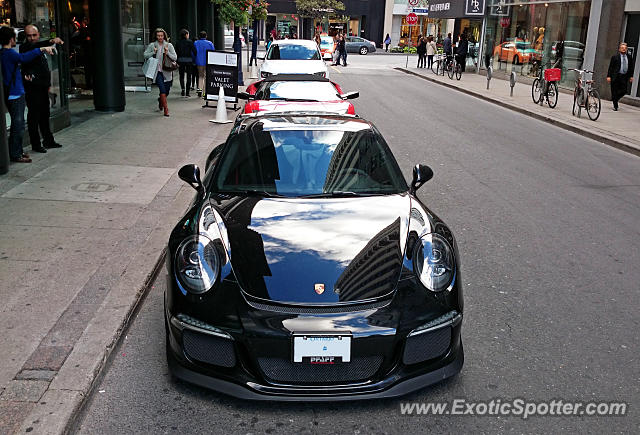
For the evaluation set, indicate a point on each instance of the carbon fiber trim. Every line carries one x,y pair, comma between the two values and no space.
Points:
285,371
332,309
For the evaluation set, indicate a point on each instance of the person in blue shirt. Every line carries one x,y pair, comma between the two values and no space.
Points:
12,81
202,45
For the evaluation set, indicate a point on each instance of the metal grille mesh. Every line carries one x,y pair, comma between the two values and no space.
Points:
209,349
426,346
283,370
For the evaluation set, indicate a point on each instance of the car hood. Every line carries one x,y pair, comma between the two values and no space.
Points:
340,107
317,251
294,66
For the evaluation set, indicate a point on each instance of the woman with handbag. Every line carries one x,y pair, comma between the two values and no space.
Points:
163,50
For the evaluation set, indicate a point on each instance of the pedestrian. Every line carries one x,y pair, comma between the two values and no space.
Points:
447,45
160,48
342,45
422,51
431,51
387,42
316,38
620,73
37,81
202,45
462,51
336,53
185,51
14,89
269,42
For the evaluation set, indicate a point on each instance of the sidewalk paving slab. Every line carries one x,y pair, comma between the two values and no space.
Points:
616,129
83,234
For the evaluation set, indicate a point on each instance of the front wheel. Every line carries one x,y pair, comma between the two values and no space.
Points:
552,94
450,71
593,105
458,72
577,101
364,50
436,65
536,91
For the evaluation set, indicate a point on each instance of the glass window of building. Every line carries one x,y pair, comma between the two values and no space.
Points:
531,36
135,38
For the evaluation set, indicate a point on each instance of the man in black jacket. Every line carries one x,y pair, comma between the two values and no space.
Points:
37,81
620,74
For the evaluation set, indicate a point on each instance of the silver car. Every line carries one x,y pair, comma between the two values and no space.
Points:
355,44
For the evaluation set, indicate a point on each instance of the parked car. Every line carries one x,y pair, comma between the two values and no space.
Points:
327,47
356,44
293,56
228,39
573,53
516,51
298,92
306,269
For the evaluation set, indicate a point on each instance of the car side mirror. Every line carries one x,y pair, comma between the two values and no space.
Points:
350,95
244,96
191,175
421,174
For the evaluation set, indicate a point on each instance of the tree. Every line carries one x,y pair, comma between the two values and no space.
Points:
318,9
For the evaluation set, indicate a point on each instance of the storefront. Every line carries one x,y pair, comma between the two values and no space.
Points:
402,34
285,25
524,36
632,38
467,17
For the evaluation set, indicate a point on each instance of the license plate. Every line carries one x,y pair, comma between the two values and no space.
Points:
321,349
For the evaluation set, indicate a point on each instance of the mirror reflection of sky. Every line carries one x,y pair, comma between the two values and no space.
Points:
318,91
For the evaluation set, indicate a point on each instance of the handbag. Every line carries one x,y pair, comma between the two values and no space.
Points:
168,64
150,67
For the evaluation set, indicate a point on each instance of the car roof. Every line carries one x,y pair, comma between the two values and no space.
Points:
295,78
273,121
305,42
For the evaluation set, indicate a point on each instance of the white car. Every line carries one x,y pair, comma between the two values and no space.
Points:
228,40
293,56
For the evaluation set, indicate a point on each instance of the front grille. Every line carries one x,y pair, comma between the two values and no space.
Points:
283,370
330,309
425,346
208,349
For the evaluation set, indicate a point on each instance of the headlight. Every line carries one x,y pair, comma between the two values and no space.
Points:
197,264
321,74
433,262
264,74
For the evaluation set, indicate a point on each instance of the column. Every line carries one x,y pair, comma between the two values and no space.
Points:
160,16
108,59
218,29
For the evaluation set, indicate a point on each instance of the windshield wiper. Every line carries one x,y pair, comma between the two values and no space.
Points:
338,194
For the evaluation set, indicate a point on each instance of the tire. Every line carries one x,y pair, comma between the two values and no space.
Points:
364,50
450,71
536,91
458,72
436,65
516,60
576,101
593,105
552,95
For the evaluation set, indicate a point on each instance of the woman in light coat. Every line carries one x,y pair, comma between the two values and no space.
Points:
159,48
431,51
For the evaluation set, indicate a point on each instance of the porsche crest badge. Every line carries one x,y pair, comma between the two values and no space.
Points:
319,288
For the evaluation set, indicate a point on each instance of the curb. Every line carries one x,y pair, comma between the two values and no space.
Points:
607,140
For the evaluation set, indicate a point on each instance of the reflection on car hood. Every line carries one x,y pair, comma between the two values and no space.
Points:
317,251
293,66
339,107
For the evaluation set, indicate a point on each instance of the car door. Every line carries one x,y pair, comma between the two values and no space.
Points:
351,44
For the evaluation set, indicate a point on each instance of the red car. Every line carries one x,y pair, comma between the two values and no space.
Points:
296,93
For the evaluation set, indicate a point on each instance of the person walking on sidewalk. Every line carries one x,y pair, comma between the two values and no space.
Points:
447,46
342,50
387,42
422,51
14,89
159,48
461,51
37,81
185,51
202,45
431,51
620,73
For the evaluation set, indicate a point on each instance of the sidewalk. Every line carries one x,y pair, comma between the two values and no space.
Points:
82,233
617,129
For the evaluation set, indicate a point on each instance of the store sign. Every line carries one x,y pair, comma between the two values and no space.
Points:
222,71
474,7
441,7
499,10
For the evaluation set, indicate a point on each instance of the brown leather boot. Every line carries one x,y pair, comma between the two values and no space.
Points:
163,101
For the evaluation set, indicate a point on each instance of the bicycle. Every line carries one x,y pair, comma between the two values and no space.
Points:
587,98
441,64
545,85
454,69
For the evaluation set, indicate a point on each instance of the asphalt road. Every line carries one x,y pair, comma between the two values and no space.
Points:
547,224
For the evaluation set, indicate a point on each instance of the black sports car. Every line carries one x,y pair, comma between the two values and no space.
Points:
307,269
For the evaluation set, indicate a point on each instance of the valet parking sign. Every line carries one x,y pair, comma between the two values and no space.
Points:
222,71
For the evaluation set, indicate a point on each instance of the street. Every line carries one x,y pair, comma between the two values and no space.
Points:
547,225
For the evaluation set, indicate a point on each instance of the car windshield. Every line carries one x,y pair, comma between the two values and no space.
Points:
298,90
308,162
292,52
326,42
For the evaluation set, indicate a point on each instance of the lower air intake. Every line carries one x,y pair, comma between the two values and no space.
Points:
426,346
285,371
209,349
